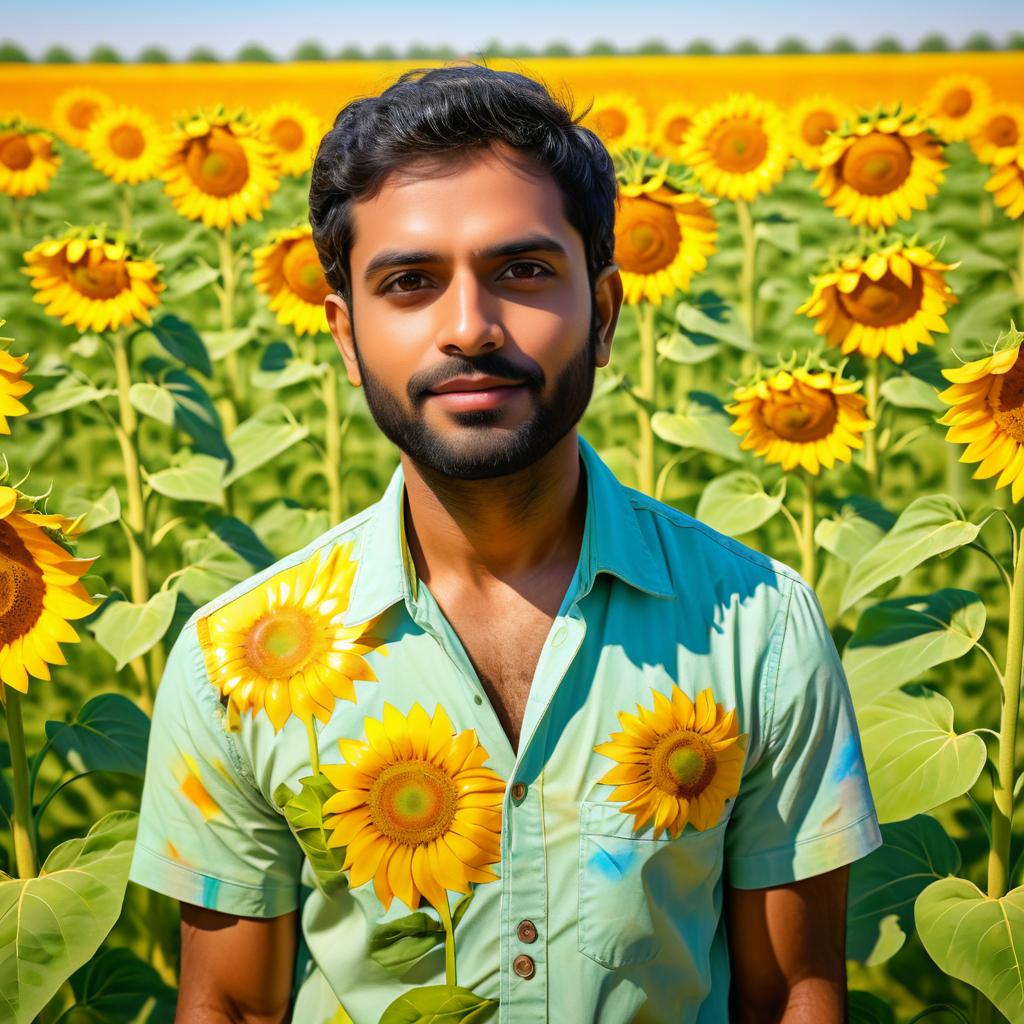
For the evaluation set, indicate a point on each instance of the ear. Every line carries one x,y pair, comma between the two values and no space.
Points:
340,322
608,295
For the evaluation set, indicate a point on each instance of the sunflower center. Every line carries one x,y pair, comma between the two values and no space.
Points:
303,273
15,152
127,141
287,134
1007,399
217,163
413,802
280,643
1002,130
611,123
738,145
682,763
956,102
103,279
801,414
816,126
647,235
885,302
21,587
82,112
677,128
876,164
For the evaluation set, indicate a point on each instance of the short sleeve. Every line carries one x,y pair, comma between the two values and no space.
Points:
206,834
804,807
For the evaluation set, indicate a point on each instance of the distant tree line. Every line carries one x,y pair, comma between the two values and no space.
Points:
934,42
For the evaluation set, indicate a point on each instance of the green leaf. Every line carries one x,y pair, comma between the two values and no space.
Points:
153,401
305,815
439,1004
105,509
909,392
397,945
783,234
263,437
243,540
109,733
115,985
295,372
126,630
195,413
976,938
212,567
866,1008
681,348
185,282
728,328
182,341
896,640
220,343
851,533
885,883
929,526
51,925
737,502
68,394
915,760
199,478
698,427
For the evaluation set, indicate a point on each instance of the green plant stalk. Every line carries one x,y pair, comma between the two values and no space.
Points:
314,748
808,569
235,383
871,388
648,389
748,270
332,439
17,222
450,975
21,817
127,206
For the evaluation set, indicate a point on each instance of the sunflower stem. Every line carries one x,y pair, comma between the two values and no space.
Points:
871,389
314,747
450,976
21,816
127,206
807,552
332,440
648,392
17,223
231,403
748,270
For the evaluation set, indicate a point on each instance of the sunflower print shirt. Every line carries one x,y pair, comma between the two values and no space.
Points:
689,728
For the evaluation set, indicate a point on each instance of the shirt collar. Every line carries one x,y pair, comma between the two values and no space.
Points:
613,542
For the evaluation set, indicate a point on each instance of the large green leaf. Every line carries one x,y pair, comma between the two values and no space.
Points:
915,760
127,630
182,341
737,502
153,401
397,945
977,939
929,526
198,478
885,883
109,733
68,394
304,813
114,986
697,426
51,925
909,392
854,530
185,282
896,640
195,413
682,348
263,437
725,325
212,567
439,1004
867,1008
99,512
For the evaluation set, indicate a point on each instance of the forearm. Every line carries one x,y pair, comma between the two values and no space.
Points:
812,1001
222,1012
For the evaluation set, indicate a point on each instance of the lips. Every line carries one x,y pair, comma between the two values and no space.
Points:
464,384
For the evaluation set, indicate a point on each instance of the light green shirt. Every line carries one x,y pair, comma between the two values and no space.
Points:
629,926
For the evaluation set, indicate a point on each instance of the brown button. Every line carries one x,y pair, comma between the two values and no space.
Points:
527,931
518,791
523,966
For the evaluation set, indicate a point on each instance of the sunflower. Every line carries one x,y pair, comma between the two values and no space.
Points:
40,590
1007,181
886,299
956,105
294,132
671,125
1000,132
664,233
288,269
415,808
811,121
618,120
281,648
678,763
27,157
12,385
126,144
220,170
74,111
880,169
93,282
737,147
799,416
987,400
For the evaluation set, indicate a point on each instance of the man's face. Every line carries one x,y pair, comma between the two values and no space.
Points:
434,299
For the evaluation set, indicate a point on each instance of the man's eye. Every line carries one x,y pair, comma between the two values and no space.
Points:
403,277
530,266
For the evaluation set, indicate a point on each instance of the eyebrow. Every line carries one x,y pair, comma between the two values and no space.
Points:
390,258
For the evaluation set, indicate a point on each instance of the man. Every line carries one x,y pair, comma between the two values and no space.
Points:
625,737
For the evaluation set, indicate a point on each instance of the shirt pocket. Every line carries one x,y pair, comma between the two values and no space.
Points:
623,876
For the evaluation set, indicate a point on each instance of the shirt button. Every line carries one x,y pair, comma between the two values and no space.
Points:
559,638
527,931
518,791
523,966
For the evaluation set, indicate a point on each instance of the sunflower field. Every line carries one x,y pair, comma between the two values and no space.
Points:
821,357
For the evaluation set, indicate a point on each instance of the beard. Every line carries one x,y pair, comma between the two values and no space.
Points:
476,452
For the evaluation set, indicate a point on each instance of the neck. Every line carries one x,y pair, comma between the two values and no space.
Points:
474,534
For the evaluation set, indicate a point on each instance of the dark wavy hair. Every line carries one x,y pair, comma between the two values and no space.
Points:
432,112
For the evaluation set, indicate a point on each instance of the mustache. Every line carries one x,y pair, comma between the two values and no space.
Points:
491,364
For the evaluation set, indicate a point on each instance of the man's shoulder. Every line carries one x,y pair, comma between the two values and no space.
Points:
347,531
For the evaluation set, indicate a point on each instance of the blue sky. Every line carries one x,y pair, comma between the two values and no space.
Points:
180,25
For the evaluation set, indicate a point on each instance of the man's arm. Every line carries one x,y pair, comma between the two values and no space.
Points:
787,948
235,970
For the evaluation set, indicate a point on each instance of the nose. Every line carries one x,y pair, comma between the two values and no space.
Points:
470,321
